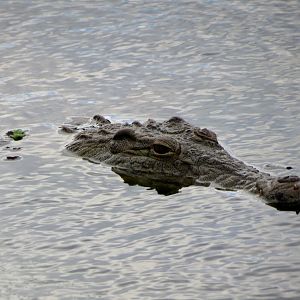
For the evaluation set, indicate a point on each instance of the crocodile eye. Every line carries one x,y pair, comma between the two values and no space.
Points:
161,149
165,147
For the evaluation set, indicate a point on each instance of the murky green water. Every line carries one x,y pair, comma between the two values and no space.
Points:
73,230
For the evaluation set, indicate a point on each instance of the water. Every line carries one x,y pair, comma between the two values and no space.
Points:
73,230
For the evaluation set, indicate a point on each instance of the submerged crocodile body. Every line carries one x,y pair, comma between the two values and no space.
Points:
171,154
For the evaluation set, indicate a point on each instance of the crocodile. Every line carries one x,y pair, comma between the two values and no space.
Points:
173,154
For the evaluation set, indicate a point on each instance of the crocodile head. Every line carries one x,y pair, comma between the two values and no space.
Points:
163,152
171,154
152,154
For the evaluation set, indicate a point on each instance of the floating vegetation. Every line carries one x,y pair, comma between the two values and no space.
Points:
16,134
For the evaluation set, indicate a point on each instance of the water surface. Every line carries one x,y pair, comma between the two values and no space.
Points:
73,230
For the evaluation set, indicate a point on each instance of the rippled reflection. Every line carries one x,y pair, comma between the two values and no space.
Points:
71,229
174,185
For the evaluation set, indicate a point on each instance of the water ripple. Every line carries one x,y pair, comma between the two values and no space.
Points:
74,230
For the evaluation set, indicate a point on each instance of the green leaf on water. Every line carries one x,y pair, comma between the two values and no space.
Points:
16,134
